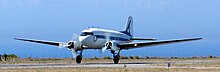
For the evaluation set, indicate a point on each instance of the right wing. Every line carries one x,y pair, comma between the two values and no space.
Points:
150,39
147,44
41,41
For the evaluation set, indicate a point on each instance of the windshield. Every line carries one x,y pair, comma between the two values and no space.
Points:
86,33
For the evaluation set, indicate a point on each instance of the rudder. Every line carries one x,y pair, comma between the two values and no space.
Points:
129,27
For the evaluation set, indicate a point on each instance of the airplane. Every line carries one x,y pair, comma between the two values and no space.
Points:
111,40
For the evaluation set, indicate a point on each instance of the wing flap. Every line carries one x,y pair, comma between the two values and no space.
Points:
146,44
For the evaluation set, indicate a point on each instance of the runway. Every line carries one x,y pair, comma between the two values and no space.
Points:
107,63
83,65
101,65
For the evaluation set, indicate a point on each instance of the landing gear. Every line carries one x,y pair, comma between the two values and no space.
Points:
116,59
78,59
116,56
79,56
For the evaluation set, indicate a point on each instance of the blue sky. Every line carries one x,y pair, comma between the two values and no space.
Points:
58,20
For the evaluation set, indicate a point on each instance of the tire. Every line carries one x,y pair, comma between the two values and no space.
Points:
78,59
116,59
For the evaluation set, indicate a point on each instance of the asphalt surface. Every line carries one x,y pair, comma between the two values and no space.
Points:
96,65
110,65
157,64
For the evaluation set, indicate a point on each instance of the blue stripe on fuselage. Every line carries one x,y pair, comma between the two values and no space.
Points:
112,38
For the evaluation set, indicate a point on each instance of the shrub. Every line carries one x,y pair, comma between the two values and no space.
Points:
11,56
131,57
107,57
147,57
136,57
95,57
123,57
210,56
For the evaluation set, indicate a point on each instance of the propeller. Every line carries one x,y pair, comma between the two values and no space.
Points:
74,39
103,49
71,44
107,36
73,51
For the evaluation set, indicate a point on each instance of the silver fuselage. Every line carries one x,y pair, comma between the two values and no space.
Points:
96,38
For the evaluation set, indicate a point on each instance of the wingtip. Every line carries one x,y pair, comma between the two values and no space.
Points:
154,39
199,38
17,38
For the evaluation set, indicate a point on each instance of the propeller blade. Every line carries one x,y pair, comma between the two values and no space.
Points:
103,49
107,35
73,53
75,37
61,45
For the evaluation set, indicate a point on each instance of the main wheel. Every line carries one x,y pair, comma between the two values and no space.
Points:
78,59
116,59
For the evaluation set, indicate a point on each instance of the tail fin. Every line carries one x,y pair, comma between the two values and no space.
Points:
129,27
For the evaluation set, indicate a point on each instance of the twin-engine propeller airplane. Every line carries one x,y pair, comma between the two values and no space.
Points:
114,41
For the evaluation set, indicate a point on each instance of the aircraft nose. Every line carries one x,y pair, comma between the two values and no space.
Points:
82,38
85,39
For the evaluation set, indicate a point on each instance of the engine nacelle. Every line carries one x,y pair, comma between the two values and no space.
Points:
112,45
74,44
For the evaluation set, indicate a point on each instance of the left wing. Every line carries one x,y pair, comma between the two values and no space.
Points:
41,41
147,44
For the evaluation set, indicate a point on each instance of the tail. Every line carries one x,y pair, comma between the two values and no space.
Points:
129,27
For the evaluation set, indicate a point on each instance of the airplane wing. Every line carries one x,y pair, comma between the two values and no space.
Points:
150,39
40,41
147,44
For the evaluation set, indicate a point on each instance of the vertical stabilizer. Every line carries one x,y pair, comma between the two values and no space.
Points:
129,27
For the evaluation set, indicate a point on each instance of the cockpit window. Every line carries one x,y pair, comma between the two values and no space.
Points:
86,33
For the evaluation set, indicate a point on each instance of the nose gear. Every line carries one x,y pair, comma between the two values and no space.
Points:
116,55
79,56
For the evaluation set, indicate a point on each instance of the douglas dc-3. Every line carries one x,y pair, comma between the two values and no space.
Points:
113,41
